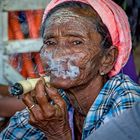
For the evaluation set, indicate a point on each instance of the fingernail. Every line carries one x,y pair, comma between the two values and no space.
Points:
42,80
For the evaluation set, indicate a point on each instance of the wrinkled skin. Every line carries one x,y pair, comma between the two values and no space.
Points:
68,34
69,37
46,116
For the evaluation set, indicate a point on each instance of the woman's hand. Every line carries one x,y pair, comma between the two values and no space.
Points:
52,119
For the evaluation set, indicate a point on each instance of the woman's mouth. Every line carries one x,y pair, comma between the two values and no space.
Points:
72,72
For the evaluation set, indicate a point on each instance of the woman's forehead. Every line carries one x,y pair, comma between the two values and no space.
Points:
71,20
67,22
75,12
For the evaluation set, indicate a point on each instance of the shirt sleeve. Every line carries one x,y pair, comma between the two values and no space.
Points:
19,128
124,127
124,101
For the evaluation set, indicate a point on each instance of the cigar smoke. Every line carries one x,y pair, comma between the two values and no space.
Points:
62,67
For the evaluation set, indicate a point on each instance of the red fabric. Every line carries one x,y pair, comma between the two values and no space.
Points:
117,23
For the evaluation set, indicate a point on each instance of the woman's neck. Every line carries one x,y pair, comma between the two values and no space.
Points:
82,98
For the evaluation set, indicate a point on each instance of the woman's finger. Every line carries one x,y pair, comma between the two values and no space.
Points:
32,120
31,105
42,98
58,100
28,100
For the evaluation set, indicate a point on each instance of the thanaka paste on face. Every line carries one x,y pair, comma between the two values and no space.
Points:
60,18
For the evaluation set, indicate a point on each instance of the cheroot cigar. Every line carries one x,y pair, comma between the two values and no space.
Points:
26,86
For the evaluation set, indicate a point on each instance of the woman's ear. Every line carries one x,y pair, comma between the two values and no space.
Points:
108,60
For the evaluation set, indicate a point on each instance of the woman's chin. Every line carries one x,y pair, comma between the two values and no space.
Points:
60,82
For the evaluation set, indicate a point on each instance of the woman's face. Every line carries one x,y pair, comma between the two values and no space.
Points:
71,49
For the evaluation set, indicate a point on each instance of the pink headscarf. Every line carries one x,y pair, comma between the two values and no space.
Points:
115,20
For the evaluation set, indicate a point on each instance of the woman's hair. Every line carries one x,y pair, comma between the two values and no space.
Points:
89,13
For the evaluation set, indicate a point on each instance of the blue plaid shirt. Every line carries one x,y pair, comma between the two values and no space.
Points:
118,94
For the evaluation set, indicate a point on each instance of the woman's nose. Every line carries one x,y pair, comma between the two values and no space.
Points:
61,51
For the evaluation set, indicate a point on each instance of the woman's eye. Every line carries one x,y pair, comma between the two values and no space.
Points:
48,43
77,42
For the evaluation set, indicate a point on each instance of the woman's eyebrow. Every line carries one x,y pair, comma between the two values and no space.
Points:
74,35
48,36
67,34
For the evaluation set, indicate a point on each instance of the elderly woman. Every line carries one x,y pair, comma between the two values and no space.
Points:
85,44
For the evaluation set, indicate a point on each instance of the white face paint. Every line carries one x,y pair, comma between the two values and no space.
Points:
69,44
63,17
62,67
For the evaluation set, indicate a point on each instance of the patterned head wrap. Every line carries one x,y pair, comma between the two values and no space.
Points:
115,20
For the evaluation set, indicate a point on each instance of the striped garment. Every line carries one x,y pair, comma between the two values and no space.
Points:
118,94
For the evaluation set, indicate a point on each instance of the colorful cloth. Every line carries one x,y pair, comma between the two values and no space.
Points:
115,20
117,95
19,128
120,128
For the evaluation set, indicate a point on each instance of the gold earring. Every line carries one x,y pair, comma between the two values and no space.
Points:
102,73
